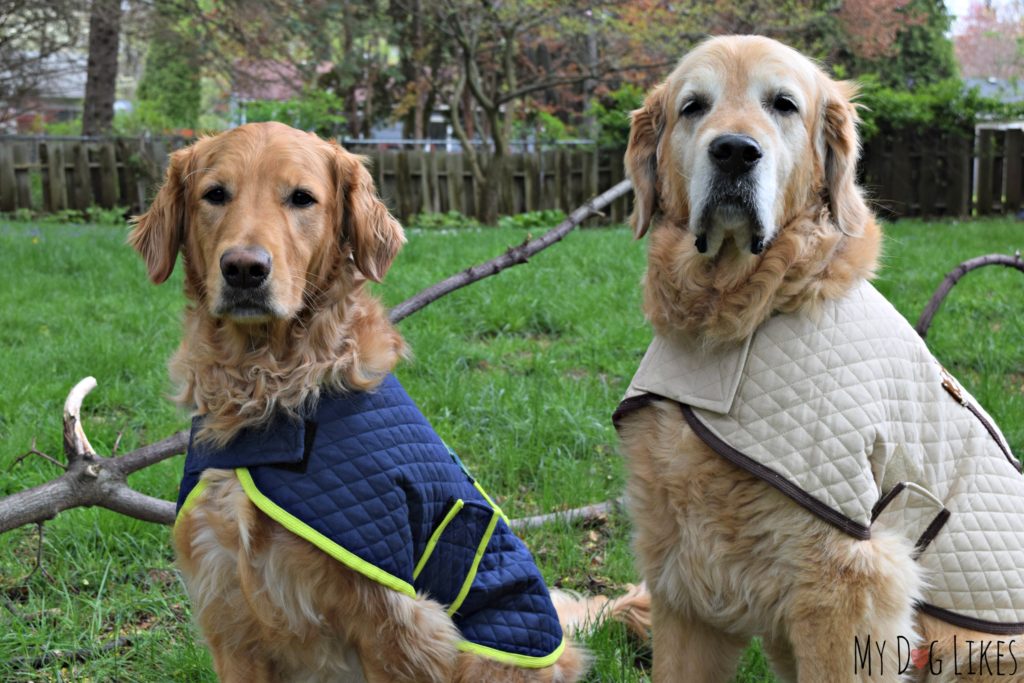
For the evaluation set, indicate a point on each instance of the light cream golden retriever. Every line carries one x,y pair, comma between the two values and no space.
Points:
278,232
743,163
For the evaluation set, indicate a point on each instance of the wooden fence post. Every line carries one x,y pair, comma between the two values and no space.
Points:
985,155
8,189
1013,149
55,189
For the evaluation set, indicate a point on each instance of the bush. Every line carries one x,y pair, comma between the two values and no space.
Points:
612,114
315,110
453,220
533,219
944,106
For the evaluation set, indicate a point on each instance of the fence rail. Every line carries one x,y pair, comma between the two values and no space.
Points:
49,175
916,173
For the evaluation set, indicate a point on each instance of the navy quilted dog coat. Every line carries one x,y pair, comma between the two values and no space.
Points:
369,482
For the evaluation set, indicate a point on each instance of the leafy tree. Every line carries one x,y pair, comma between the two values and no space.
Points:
904,42
989,44
169,92
31,35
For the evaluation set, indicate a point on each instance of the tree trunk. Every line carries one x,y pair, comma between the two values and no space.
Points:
101,80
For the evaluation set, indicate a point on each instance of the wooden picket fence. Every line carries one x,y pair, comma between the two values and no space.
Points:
52,174
1000,170
49,174
416,181
918,174
915,173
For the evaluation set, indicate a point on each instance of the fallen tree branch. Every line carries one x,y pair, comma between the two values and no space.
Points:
925,321
91,479
576,514
512,257
82,655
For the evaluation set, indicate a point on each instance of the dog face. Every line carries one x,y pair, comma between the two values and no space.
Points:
744,133
265,216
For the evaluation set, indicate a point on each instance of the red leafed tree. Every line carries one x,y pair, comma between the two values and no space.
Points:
871,26
989,42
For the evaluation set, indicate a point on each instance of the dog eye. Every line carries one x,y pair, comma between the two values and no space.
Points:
301,198
216,195
694,107
784,104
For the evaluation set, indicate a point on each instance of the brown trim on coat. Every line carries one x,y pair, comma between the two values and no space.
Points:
632,404
931,532
885,500
994,434
770,476
995,628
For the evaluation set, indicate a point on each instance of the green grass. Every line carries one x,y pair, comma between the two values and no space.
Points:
520,373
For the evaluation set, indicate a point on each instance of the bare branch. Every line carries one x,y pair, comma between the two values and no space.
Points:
90,479
35,451
76,444
585,512
153,453
925,321
512,257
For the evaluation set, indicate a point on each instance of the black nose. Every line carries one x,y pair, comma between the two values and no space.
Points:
735,154
245,268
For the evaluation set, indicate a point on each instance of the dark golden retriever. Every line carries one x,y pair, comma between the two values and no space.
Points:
278,232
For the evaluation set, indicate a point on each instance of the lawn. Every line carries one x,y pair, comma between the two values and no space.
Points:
520,373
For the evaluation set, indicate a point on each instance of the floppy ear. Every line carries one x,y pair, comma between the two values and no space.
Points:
645,129
842,150
158,233
366,223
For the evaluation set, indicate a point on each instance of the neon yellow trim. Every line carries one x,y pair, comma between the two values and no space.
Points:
525,661
190,500
494,505
300,528
435,536
495,516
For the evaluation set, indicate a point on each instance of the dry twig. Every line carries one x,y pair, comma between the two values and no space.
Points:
925,321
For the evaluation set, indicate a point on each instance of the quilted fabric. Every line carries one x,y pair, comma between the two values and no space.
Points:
851,416
368,473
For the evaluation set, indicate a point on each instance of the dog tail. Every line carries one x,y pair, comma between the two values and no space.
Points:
578,612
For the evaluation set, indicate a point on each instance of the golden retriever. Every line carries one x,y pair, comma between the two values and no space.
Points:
278,232
743,163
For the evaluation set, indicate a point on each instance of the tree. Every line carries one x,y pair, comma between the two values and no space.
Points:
32,36
505,58
169,91
989,43
905,42
101,80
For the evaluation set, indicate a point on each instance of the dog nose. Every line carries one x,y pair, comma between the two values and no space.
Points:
245,268
735,154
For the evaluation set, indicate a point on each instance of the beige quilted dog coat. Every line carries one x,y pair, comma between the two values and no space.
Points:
852,417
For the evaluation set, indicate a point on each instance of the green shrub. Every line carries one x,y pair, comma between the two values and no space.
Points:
944,105
60,128
533,219
315,110
612,114
453,220
117,215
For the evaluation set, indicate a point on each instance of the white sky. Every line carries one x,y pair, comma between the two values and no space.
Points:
958,8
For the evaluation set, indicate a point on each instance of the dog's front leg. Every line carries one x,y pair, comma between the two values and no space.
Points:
686,649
